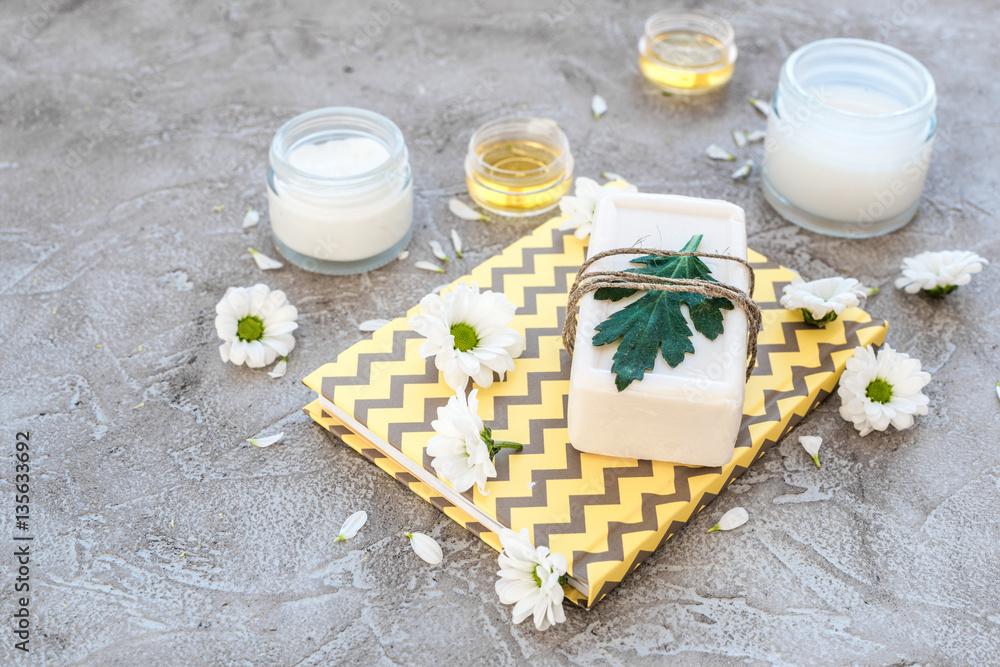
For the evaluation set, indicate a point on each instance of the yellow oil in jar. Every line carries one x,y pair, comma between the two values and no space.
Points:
518,177
685,62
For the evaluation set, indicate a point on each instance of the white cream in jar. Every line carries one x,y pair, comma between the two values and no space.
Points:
340,191
850,138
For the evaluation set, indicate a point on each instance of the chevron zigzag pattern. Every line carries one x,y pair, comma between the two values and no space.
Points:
605,514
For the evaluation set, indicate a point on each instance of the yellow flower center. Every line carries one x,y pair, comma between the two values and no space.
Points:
879,391
250,328
465,336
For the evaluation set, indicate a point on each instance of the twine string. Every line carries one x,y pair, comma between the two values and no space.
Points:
594,280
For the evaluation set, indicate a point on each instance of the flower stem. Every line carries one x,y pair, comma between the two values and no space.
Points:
506,444
494,446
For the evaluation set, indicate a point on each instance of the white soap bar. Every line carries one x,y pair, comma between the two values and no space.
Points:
689,414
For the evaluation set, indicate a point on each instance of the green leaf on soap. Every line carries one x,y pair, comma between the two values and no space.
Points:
655,323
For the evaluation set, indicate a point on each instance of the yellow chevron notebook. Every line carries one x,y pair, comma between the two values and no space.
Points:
606,515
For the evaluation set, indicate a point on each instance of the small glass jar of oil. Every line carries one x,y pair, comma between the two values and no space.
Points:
518,166
687,53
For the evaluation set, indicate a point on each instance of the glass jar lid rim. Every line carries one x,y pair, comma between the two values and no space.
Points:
280,153
679,15
926,100
525,120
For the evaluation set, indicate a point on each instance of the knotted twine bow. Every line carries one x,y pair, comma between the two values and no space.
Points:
595,280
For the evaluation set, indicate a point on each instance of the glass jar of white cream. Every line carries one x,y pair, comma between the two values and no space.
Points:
340,191
850,138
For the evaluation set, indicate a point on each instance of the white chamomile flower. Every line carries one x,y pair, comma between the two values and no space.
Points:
821,301
939,273
256,324
581,205
353,524
467,334
463,449
811,443
531,579
734,518
426,547
881,389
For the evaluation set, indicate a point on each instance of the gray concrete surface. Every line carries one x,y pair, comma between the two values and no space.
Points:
161,537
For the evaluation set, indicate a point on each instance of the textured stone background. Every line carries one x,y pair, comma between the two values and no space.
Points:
163,538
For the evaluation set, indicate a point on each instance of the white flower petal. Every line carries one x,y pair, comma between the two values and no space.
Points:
998,389
238,352
403,255
439,251
811,443
718,153
266,442
456,241
257,355
237,302
761,106
352,526
599,106
372,325
739,138
755,136
426,547
464,211
279,368
251,218
277,344
743,171
734,518
427,266
612,176
264,263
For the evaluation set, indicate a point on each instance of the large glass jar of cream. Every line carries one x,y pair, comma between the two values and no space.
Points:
340,191
850,138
